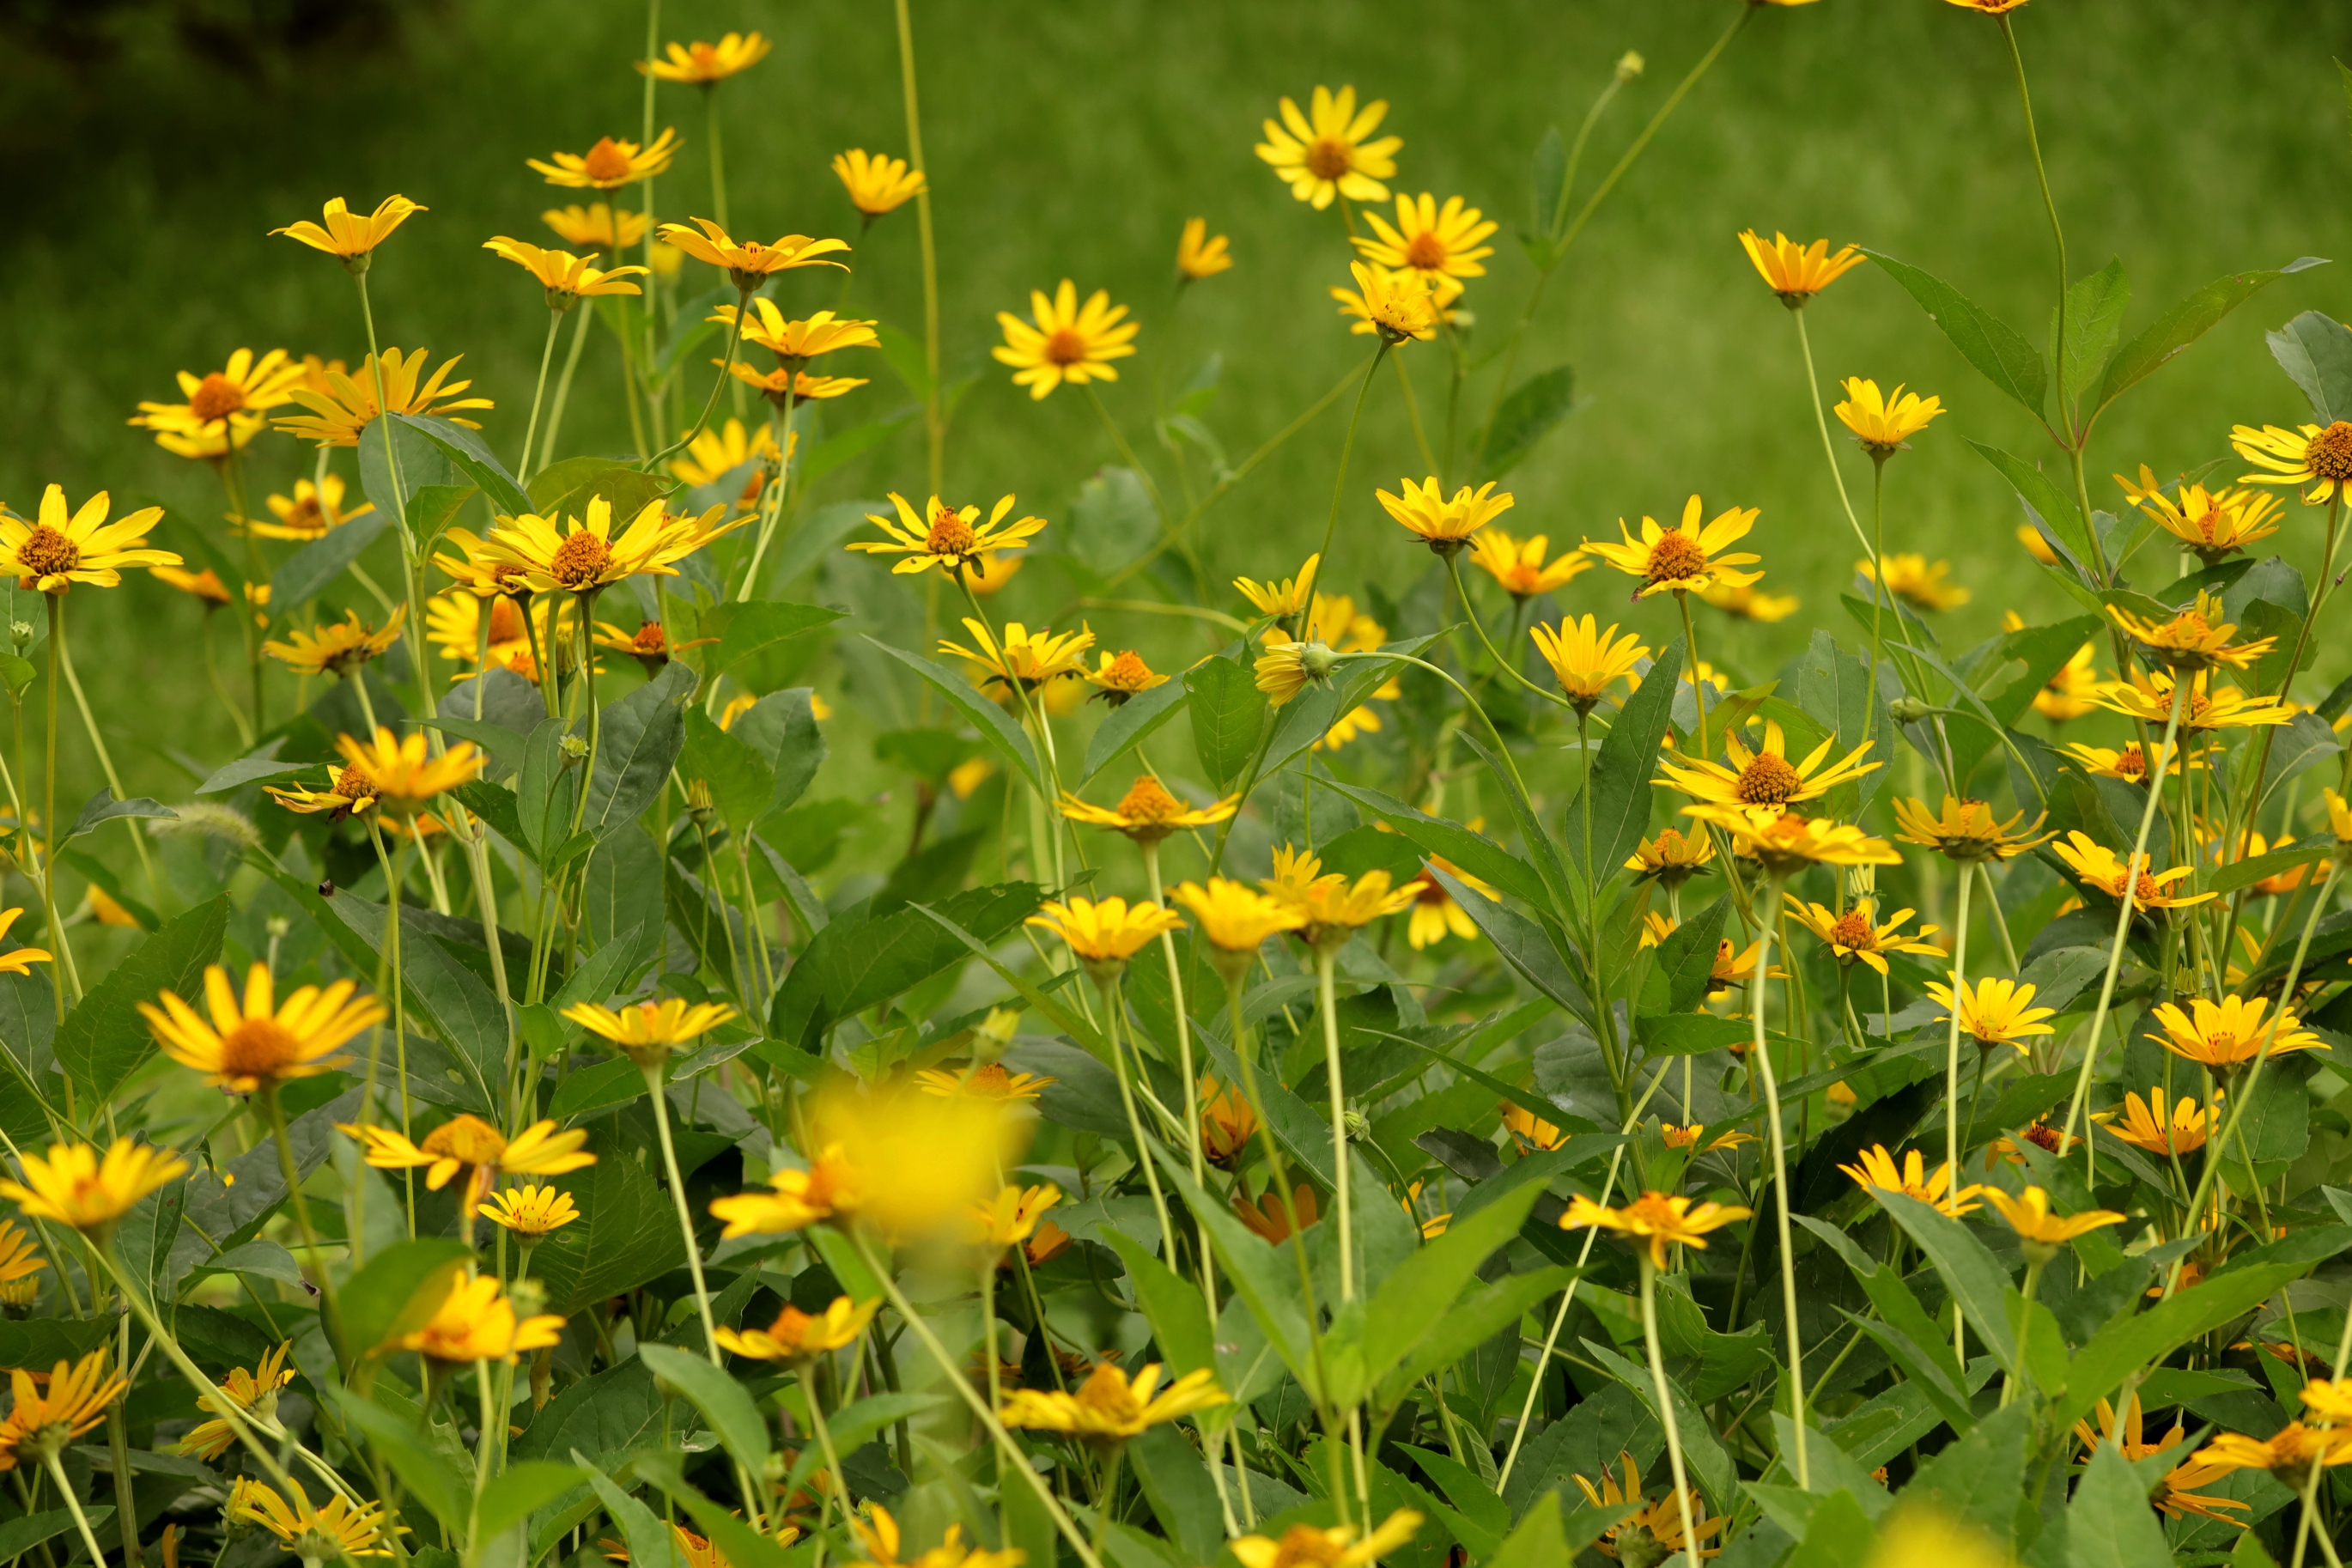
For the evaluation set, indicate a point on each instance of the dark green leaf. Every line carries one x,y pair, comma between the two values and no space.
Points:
39,1343
397,1290
722,1401
2109,1523
782,730
470,454
103,808
522,1488
423,464
606,1416
1685,960
982,714
1534,407
756,626
566,489
1525,945
740,783
1621,790
2161,338
2044,502
1473,852
1228,714
1132,723
1970,1271
642,734
2095,319
853,963
627,1232
1998,353
21,1534
104,1039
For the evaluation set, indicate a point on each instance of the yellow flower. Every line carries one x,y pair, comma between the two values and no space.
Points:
610,163
1118,678
989,1080
1284,668
1107,931
1149,813
2215,524
749,263
1234,916
2035,545
1109,1408
348,236
467,1142
1671,857
1746,602
1285,600
1883,424
312,511
1435,913
1440,243
1655,1219
19,960
1851,936
1766,778
348,791
1587,661
1911,579
400,774
2146,1126
566,278
1227,1122
952,539
648,1032
256,1045
2339,820
1786,843
61,548
701,64
2190,640
794,343
2293,1451
1529,1131
798,1336
2128,765
251,1393
2211,705
2068,693
1685,558
880,1539
1335,907
1395,306
1274,1216
1021,656
76,1186
1012,1215
795,1199
340,413
475,1321
1445,524
1996,1012
1964,830
243,387
877,183
42,1422
1797,272
1880,1171
2225,1037
1695,1137
596,227
2096,866
1654,1533
1200,254
1325,155
338,647
1519,563
2305,455
2331,1402
580,557
19,1267
1065,342
205,585
990,570
533,1210
2029,1215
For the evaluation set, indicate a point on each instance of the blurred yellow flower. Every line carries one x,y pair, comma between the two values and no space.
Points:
337,647
596,227
1200,254
1106,931
1065,342
1745,601
338,414
1911,579
258,1044
1148,813
1327,153
244,387
798,1336
312,511
2215,524
1285,599
649,1032
2191,639
1883,424
1109,1408
475,1321
1518,565
1880,1171
74,1185
1118,678
1021,657
610,163
701,64
877,183
1440,243
1397,306
348,236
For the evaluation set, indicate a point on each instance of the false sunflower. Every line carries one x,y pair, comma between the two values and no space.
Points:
2191,639
344,408
2211,704
401,773
349,236
2096,866
1518,564
1966,830
794,343
567,554
253,1392
2225,1037
877,183
20,1266
1853,936
567,278
596,228
1065,342
748,263
1654,1220
530,1211
1105,932
1654,1531
1884,422
1285,600
786,387
1797,272
243,387
2029,1215
1441,244
466,1143
60,548
1881,1172
2214,524
2319,458
952,539
336,647
257,1044
1436,913
1394,306
1445,525
1586,660
316,1535
648,1032
1684,558
1237,918
1995,1011
1109,1408
2147,1125
74,1185
1021,657
705,64
312,511
1327,152
610,163
795,1199
42,1421
798,1336
1745,602
1148,813
1200,254
1765,778
476,1321
1672,858
1785,843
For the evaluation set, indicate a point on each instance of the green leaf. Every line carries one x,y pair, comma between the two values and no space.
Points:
2169,334
1175,1482
1132,723
1621,791
738,1542
104,1039
1473,852
1970,1271
523,1487
1266,1281
567,488
39,1343
740,783
21,1534
781,729
982,714
1172,1305
2239,874
309,568
627,1232
449,997
1986,342
607,1416
2044,502
1547,184
638,745
2109,1523
423,464
1534,839
1417,1295
853,963
857,1423
1526,946
649,1540
545,789
2316,352
755,627
2095,319
598,1087
143,1241
1685,960
721,1399
1834,688
395,1291
1478,1317
1534,407
1113,521
471,454
1228,714
1981,1477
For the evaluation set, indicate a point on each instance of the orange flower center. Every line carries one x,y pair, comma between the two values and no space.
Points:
649,639
2330,456
1427,252
352,783
2131,763
949,534
1128,672
467,1139
1065,346
1852,931
307,515
1328,157
1671,847
1766,780
506,622
2209,525
2144,891
2045,1137
258,1048
216,397
1148,802
606,163
46,553
1675,557
579,561
1432,893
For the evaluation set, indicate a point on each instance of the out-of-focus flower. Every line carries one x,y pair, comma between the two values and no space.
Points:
1064,341
701,64
877,183
1912,579
1327,152
1200,254
610,163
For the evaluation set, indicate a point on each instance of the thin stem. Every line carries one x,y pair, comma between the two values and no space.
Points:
1107,984
718,158
63,656
1454,565
1767,925
655,1070
49,816
934,422
539,393
1347,450
1952,1046
1127,452
1698,680
2057,234
1326,958
563,382
726,377
65,1489
1151,847
772,505
321,1275
1666,1405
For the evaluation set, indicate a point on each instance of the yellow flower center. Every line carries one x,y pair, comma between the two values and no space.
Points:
1149,802
1128,672
467,1139
1766,780
1852,931
1065,346
605,161
1675,557
258,1048
580,559
2144,891
649,639
2131,763
2330,456
949,534
216,397
46,553
1427,252
1328,157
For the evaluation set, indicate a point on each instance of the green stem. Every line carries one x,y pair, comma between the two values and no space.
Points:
773,506
65,1489
718,159
63,656
563,382
1454,565
1327,1002
50,819
1666,1406
320,1275
655,1070
934,419
1107,984
539,393
2057,234
1151,847
1347,450
1698,680
1767,925
1952,1042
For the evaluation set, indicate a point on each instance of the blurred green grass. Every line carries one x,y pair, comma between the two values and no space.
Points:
2188,139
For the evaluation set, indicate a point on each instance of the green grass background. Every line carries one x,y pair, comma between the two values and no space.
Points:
1073,138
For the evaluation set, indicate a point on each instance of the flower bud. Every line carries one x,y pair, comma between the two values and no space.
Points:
1908,710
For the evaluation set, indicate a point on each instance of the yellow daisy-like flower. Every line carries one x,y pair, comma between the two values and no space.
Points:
989,572
1436,914
2306,455
877,183
879,1535
43,1421
1966,830
1797,272
1440,243
1227,1122
475,1321
1746,603
1883,424
568,555
798,1336
1305,1546
794,343
1531,1132
20,1266
701,64
566,278
1654,1220
340,413
205,585
1326,154
338,647
2146,1125
1148,813
1912,579
1237,918
795,1199
2293,1451
349,236
1029,659
2225,1037
1444,525
468,1144
1274,1216
312,511
2190,639
610,163
1118,678
314,1534
244,385
258,1044
76,1186
62,547
2029,1215
348,791
1109,1408
952,538
1064,341
253,1394
1200,254
1785,843
1518,564
1694,1137
1106,931
596,227
989,1080
1853,938
1394,306
2215,524
786,387
1013,1215
1586,660
1335,908
1685,558
2211,705
2339,820
1995,1011
2096,866
648,1032
1654,1532
401,773
748,263
1671,857
1880,1171
1766,778
530,1211
1283,601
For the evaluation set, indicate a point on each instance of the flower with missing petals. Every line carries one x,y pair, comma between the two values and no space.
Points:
43,1420
1021,657
1200,254
1283,601
1672,858
1395,306
1654,1532
348,403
